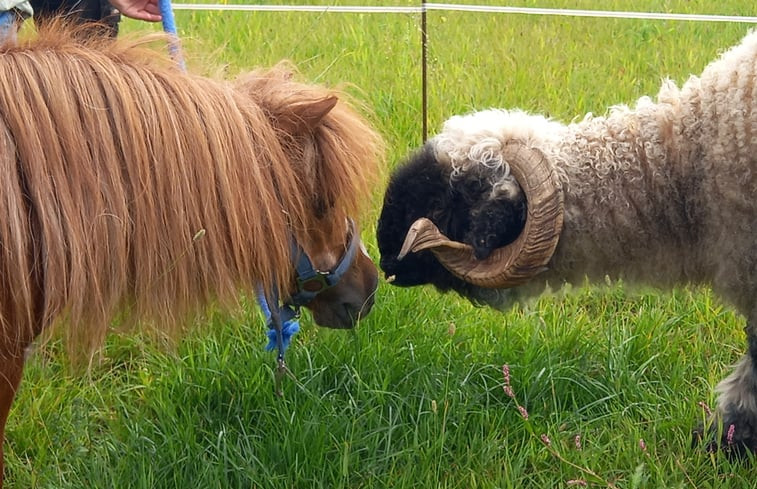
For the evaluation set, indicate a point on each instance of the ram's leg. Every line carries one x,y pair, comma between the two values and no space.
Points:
735,421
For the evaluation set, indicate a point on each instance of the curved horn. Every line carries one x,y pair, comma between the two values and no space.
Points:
525,257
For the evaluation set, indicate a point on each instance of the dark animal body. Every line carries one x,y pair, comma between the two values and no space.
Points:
133,188
661,194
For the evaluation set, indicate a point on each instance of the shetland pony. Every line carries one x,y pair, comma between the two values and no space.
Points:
131,187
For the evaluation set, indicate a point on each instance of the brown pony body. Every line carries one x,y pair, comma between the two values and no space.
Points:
130,186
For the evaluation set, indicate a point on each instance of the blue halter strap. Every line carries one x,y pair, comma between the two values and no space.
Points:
282,319
311,281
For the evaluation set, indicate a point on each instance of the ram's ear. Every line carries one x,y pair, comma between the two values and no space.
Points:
305,115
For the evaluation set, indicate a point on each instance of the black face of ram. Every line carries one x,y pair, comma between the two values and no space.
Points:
421,188
418,188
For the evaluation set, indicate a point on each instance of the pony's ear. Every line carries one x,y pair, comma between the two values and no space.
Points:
306,115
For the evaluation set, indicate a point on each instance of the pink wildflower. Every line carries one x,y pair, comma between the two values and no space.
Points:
545,439
523,412
577,482
506,373
729,435
577,441
643,445
509,391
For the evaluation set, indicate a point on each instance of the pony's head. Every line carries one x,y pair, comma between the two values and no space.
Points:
334,157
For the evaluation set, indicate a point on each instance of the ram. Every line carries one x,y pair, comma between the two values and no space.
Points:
502,203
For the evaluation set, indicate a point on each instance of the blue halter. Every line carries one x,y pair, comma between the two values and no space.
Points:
311,281
282,319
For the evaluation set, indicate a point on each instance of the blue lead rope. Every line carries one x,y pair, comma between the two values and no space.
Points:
169,26
8,25
289,326
283,324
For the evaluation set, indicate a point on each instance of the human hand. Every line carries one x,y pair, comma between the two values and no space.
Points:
147,10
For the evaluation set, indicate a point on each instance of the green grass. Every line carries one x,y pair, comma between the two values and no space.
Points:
414,397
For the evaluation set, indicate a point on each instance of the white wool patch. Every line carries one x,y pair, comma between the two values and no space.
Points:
474,142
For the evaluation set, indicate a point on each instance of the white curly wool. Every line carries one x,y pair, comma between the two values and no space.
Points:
473,142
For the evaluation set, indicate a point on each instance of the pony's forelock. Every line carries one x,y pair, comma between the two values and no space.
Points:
343,142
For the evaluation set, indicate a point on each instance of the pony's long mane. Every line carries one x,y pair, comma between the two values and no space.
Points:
128,184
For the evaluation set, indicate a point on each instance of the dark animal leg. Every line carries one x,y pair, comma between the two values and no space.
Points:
11,369
734,425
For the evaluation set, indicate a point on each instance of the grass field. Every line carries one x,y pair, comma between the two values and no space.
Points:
414,397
